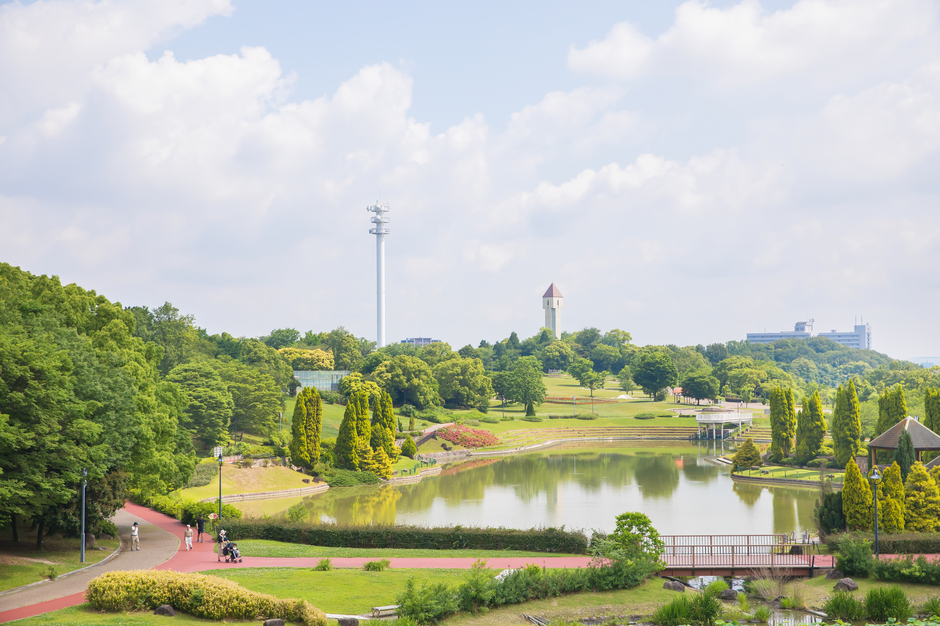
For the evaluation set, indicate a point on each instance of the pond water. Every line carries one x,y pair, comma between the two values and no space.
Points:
578,486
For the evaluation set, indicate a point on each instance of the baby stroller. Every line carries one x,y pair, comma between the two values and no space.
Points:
228,549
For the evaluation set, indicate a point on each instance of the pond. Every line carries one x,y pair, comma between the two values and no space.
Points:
581,486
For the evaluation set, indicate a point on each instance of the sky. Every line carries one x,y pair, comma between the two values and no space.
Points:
685,171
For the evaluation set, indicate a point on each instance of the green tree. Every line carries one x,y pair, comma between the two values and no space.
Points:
363,423
904,455
210,408
281,338
626,379
846,424
256,397
525,384
345,348
781,439
175,333
891,409
558,355
299,450
856,498
790,414
810,430
921,501
653,371
307,360
347,441
747,455
382,436
595,380
700,385
463,383
891,500
408,380
408,447
313,423
932,409
638,538
354,383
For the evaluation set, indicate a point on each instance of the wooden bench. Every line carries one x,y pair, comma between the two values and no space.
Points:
385,611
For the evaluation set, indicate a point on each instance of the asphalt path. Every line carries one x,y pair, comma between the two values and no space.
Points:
162,547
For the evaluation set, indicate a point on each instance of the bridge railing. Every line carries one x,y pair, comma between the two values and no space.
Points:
734,551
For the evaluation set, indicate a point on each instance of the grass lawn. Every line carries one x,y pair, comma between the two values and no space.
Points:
816,590
339,590
249,480
21,564
794,473
265,548
83,614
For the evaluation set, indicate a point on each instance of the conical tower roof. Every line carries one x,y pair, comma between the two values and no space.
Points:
553,292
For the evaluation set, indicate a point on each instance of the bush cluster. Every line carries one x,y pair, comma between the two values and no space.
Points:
379,536
467,437
481,591
185,511
203,596
349,478
702,608
895,543
908,570
204,474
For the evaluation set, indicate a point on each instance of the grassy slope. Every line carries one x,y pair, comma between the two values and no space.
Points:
21,564
249,480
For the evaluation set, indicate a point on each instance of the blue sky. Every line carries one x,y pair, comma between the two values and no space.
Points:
685,171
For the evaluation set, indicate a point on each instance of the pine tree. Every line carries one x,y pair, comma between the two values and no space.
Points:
810,430
408,447
932,409
891,500
790,418
391,450
856,498
381,464
314,423
365,457
780,445
904,455
846,424
347,441
891,409
299,456
363,425
921,501
747,455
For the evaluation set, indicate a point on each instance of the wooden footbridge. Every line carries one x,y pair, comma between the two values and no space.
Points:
731,555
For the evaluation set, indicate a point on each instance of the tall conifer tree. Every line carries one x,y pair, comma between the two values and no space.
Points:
780,444
921,501
810,430
904,455
891,409
856,498
932,409
846,424
891,500
299,456
363,424
314,424
791,418
347,441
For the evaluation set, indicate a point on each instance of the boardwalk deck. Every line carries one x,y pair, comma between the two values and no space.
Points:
728,555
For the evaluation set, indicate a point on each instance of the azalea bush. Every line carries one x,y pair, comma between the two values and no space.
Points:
467,437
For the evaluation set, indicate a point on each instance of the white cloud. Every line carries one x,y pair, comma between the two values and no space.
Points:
48,48
746,44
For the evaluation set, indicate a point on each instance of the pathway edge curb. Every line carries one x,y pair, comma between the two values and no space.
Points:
106,559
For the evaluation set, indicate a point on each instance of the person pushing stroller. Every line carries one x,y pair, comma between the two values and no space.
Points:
228,549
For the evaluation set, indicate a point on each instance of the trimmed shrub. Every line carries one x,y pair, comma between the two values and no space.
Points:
441,538
908,570
349,478
899,543
531,418
202,596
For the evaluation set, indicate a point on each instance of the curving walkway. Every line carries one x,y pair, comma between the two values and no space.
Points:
161,541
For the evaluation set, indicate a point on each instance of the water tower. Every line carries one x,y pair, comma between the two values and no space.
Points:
551,302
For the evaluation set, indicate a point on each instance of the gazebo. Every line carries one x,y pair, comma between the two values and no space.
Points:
924,439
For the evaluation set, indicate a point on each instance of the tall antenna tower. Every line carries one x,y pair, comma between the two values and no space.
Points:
380,230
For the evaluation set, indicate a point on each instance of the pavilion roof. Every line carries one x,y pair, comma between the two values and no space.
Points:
932,464
923,437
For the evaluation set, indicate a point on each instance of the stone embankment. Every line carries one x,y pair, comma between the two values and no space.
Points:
270,495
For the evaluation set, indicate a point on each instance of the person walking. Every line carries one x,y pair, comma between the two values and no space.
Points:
135,537
188,536
200,527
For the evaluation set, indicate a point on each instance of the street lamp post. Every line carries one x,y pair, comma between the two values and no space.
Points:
84,481
221,461
876,476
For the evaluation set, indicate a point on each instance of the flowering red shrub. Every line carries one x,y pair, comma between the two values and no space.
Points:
467,437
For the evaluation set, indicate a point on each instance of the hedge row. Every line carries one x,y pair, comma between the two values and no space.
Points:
203,596
897,543
446,538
